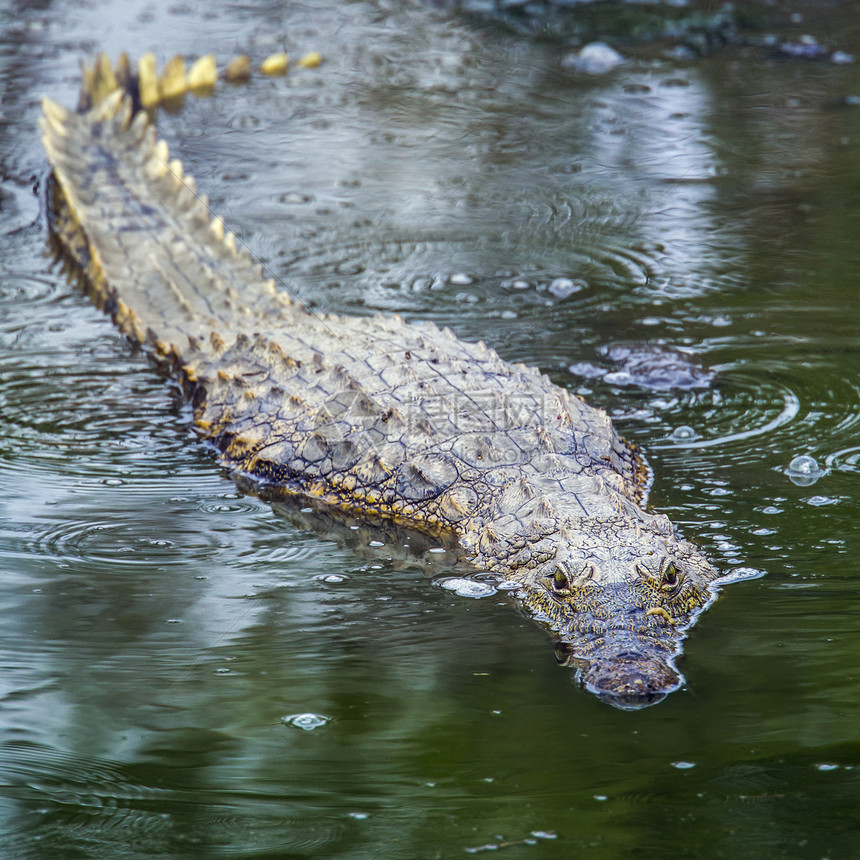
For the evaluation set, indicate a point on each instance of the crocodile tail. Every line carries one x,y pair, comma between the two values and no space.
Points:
134,227
100,79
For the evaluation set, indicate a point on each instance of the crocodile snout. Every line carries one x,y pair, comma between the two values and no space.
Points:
630,680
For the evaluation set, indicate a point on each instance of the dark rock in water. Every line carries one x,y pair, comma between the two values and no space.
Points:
655,366
649,365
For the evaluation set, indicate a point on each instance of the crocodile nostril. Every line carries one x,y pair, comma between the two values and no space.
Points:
630,656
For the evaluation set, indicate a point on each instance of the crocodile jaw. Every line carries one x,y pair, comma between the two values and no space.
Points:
626,668
631,680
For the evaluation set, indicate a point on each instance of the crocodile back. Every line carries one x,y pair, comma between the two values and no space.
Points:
367,414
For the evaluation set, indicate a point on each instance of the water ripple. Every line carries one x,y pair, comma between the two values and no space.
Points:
749,412
846,460
783,410
81,801
59,414
427,273
18,287
103,542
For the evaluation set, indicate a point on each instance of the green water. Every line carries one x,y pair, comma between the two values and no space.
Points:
160,632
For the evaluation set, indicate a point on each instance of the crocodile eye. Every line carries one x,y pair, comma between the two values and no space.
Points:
557,583
670,576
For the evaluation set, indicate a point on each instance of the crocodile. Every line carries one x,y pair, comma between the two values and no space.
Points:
376,418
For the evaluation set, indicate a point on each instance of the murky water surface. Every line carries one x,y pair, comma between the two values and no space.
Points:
187,673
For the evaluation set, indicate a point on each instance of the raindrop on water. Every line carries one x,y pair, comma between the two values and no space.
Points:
307,722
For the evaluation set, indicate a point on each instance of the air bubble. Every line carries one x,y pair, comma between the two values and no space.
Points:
684,433
740,574
818,501
306,722
804,470
561,288
468,587
462,279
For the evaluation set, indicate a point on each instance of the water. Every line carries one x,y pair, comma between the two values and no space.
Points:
187,673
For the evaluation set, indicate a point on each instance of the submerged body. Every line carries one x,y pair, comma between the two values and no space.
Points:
378,417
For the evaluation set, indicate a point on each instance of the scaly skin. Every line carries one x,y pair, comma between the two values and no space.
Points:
377,417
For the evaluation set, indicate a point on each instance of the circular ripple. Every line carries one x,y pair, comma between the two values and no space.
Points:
231,503
846,460
742,413
91,415
26,289
418,264
774,412
306,722
102,542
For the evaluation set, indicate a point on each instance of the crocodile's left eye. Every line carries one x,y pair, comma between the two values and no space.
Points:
558,583
670,576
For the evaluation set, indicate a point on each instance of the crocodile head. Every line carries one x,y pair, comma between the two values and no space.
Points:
619,612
